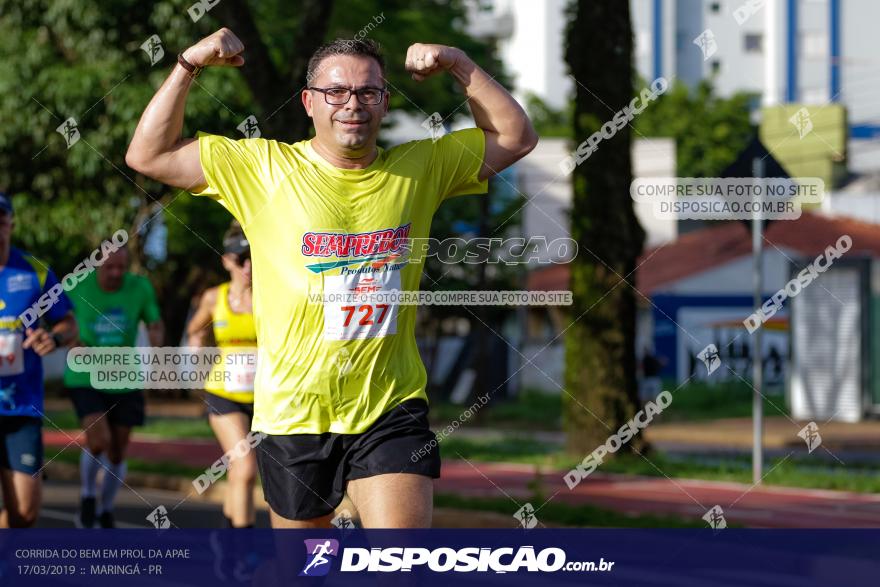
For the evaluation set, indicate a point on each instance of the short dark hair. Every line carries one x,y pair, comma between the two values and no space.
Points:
362,47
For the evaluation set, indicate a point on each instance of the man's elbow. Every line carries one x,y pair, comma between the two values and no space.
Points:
531,136
528,140
135,161
148,164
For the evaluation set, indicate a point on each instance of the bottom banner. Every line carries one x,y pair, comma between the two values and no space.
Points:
268,558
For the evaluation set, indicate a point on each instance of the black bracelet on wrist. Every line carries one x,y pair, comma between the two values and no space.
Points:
192,69
56,338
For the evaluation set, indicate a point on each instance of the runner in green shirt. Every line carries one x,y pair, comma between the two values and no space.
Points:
109,305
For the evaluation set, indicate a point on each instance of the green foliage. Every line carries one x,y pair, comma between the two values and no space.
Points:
82,59
709,131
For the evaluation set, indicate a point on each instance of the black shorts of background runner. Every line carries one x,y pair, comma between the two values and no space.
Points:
21,444
304,475
220,405
124,408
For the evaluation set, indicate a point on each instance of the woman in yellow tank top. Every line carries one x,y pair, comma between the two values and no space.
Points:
226,312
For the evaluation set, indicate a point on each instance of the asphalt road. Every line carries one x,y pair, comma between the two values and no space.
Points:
133,505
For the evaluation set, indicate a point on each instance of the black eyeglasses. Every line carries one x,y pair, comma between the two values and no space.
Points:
340,96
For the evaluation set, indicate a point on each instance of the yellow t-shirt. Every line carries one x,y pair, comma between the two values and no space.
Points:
313,227
235,334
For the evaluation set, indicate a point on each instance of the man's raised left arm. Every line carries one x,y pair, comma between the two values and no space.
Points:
509,132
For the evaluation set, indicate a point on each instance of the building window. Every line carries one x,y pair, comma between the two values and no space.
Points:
716,66
754,42
715,7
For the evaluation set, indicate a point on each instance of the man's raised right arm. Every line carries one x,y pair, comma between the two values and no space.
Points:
157,149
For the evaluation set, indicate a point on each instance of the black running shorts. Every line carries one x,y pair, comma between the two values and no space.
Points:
304,475
124,408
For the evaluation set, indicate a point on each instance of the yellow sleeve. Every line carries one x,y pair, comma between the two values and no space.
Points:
456,159
236,172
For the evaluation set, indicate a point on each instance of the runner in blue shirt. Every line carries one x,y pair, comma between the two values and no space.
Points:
23,280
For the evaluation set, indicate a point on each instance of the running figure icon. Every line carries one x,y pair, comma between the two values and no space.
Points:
318,555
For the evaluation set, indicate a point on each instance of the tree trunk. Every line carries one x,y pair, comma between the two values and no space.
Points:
600,345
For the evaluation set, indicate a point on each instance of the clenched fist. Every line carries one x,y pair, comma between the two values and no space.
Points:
425,60
220,48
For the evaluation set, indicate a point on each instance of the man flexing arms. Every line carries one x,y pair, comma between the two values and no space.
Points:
340,388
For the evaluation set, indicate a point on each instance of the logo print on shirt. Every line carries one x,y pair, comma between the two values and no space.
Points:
18,282
379,247
110,327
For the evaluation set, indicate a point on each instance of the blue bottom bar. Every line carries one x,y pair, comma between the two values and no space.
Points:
682,558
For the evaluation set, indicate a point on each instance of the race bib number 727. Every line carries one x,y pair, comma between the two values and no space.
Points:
346,317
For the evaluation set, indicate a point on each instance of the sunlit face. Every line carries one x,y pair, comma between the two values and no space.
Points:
239,266
349,129
112,270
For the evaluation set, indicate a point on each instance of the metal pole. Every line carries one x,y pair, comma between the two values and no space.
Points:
483,364
757,351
